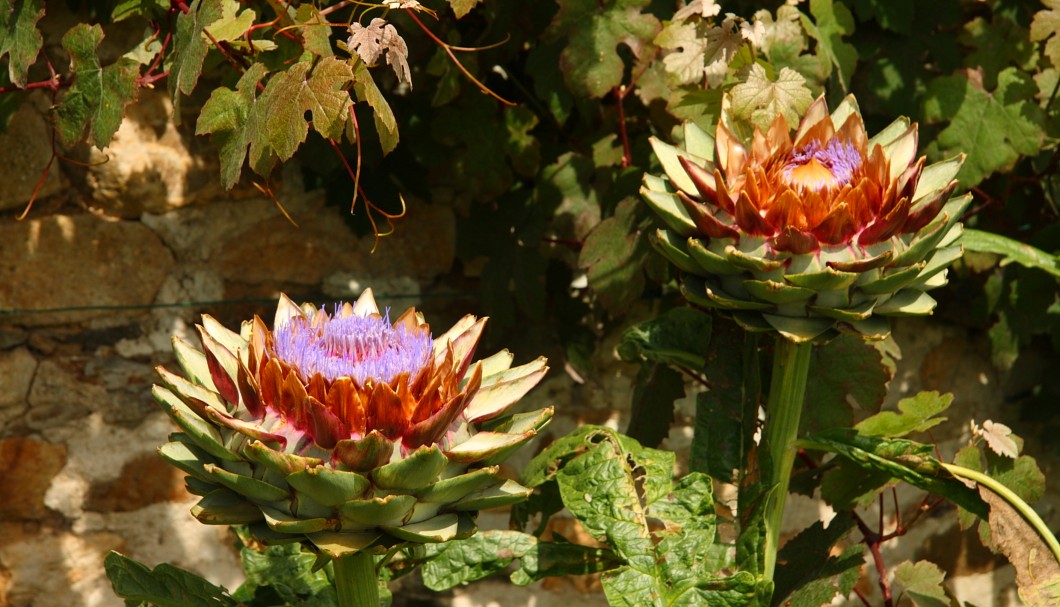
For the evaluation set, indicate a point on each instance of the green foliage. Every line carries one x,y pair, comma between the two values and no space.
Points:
163,586
922,582
95,104
189,49
19,38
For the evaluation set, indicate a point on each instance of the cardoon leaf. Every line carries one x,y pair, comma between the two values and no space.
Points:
164,586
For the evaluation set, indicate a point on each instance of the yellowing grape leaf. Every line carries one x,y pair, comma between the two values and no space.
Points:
685,64
189,49
462,7
594,29
292,93
96,101
994,128
760,99
230,118
1046,26
316,34
231,26
20,39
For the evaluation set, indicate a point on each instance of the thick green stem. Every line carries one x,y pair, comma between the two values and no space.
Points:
355,580
787,391
1014,500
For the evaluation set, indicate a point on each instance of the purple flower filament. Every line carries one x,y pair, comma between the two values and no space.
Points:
815,167
364,348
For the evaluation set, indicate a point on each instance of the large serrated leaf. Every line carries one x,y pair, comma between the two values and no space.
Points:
994,127
293,93
164,586
96,101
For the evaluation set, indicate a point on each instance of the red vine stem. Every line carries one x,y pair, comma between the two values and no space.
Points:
460,66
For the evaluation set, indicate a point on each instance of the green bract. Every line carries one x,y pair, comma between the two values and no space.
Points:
825,229
344,430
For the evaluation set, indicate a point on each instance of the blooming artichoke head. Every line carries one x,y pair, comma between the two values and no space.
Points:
346,431
811,231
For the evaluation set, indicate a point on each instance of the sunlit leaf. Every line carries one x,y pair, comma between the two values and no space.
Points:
229,116
292,93
915,414
922,582
761,100
1046,26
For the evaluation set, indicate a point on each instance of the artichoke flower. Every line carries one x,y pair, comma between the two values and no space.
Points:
344,431
808,233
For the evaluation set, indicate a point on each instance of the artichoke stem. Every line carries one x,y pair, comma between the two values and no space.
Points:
787,391
355,580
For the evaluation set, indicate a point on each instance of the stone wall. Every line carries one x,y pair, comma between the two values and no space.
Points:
119,256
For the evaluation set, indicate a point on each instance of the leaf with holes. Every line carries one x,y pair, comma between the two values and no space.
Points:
594,30
292,93
96,101
20,39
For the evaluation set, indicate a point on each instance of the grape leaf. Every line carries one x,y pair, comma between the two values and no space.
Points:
462,7
895,15
998,438
385,121
849,373
922,582
97,99
231,26
295,91
594,29
614,255
1045,26
916,414
316,33
378,39
684,64
20,39
227,116
149,9
760,99
189,49
993,128
998,43
832,21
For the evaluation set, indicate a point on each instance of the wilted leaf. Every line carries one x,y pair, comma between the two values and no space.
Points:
381,39
96,101
189,49
993,128
594,29
1037,569
20,39
761,100
1046,26
922,582
999,438
915,414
